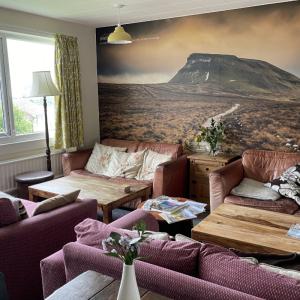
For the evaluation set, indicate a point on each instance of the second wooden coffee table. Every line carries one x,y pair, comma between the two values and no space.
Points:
248,229
108,194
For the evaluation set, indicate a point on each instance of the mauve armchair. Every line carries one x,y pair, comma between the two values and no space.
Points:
25,243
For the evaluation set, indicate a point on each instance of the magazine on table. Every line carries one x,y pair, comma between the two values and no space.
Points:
172,210
294,231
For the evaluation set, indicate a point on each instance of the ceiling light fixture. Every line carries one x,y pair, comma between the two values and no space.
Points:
119,36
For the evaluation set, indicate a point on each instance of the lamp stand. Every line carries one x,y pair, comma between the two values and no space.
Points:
48,152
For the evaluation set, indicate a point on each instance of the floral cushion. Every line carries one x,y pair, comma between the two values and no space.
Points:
124,164
288,184
151,161
100,157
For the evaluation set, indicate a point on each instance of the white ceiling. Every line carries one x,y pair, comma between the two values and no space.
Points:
100,13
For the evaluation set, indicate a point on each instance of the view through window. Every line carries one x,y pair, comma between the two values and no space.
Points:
25,57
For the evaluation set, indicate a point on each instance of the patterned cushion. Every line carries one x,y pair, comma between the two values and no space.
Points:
288,184
125,164
55,202
100,157
223,267
17,204
151,161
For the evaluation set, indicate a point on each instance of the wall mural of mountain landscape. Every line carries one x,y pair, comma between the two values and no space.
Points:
240,66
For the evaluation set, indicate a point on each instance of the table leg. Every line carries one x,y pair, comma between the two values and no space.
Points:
107,214
32,196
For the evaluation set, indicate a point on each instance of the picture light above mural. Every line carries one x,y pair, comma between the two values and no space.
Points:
243,69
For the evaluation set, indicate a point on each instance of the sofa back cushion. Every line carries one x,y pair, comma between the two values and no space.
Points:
132,146
178,256
175,150
223,267
8,214
264,165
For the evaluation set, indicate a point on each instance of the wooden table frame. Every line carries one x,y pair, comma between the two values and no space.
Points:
92,285
248,229
92,188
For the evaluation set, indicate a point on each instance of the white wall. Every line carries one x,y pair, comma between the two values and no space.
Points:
29,23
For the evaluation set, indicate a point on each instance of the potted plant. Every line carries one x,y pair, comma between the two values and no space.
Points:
213,135
127,250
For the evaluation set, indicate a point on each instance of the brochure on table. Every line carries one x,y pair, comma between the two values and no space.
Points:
172,210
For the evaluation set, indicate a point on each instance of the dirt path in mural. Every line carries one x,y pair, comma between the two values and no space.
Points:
218,117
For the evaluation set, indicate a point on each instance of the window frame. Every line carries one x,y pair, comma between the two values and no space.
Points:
10,136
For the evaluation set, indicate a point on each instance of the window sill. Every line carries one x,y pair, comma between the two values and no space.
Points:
21,149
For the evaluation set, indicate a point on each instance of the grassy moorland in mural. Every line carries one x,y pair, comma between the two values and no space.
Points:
259,103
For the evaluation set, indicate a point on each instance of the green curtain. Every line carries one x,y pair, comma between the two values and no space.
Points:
68,122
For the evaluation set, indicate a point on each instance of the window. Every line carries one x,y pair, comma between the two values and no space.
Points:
22,118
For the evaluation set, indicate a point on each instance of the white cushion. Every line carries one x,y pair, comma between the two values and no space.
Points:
100,157
151,161
254,189
125,164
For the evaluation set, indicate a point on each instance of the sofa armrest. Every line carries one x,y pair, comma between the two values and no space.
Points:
80,258
129,220
170,178
75,160
223,180
53,272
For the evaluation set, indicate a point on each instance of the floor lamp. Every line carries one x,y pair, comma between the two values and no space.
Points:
43,86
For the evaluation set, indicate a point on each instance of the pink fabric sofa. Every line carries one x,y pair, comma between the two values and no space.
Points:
179,270
169,178
25,243
259,165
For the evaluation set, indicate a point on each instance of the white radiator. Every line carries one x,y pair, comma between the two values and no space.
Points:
9,169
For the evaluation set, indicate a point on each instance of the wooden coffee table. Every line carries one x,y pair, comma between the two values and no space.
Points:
108,194
92,285
248,230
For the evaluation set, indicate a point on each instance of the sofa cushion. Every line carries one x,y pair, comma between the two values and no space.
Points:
8,214
91,232
151,161
55,202
178,256
265,165
175,150
223,267
124,164
17,204
254,189
283,205
132,146
100,157
29,206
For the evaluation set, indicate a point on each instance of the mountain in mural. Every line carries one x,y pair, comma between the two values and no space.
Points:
229,73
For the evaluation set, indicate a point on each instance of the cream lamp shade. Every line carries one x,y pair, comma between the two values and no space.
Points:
119,36
42,85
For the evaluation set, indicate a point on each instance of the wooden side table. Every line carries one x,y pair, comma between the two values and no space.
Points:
201,165
26,179
91,285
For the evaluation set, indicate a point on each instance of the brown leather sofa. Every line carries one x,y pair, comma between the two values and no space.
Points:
259,165
169,178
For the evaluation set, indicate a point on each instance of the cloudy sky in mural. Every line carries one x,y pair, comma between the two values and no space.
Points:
270,33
